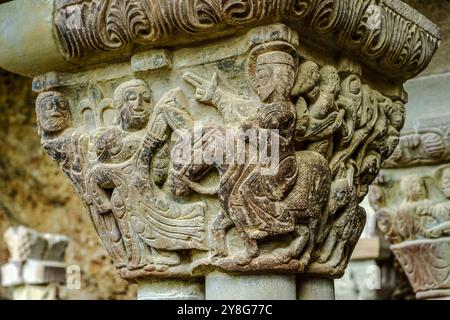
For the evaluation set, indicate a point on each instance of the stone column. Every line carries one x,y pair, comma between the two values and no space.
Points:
36,264
240,152
412,194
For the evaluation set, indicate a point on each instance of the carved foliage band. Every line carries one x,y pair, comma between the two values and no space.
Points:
387,32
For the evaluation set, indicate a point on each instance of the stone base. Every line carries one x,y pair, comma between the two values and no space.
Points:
434,295
315,289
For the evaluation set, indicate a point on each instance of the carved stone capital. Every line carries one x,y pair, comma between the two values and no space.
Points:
411,198
246,144
35,258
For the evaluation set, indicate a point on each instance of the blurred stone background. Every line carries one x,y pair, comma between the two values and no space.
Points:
34,193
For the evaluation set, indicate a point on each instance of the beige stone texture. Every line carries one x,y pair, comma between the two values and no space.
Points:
330,83
438,12
34,193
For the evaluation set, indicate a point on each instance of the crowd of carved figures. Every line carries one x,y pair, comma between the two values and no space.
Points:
418,215
333,131
416,221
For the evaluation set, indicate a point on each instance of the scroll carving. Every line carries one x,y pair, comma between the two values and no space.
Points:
388,34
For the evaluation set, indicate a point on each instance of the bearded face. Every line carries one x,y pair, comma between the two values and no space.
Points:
264,82
54,114
276,78
136,108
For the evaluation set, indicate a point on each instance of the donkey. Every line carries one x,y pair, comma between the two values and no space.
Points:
304,203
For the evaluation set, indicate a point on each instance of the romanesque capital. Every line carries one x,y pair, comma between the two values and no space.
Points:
412,200
36,263
233,136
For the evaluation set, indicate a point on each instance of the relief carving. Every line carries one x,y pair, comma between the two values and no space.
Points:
250,172
384,33
425,144
417,224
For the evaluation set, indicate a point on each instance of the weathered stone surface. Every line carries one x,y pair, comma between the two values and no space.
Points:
34,193
437,11
412,204
309,117
362,28
36,264
427,143
171,289
221,286
132,186
427,265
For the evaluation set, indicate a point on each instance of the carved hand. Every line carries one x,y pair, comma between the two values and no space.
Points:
204,89
424,209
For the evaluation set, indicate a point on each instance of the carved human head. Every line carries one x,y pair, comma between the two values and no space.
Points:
329,80
396,114
275,73
307,79
52,111
414,188
370,166
445,183
133,101
352,85
387,225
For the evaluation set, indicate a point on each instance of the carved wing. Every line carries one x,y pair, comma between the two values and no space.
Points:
161,230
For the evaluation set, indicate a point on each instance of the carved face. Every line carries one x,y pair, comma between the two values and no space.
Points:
307,80
414,188
355,85
396,115
445,183
53,113
370,167
329,82
275,78
264,81
136,107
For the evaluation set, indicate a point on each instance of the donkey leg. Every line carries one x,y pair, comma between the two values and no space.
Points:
251,247
296,247
328,247
306,256
219,230
338,254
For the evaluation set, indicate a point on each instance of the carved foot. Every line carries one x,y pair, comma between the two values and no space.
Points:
219,251
166,259
283,255
303,262
243,259
199,266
